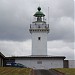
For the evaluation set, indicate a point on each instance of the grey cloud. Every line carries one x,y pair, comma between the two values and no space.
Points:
55,48
15,18
62,29
61,8
67,7
14,48
69,54
13,22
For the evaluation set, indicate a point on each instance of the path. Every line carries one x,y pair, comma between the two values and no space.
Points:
45,72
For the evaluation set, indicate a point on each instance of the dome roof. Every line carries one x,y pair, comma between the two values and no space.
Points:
39,13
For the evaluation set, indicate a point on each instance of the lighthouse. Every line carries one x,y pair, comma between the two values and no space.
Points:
39,30
39,59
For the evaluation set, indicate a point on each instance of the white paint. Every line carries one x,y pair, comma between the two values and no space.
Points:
39,29
39,47
46,63
71,63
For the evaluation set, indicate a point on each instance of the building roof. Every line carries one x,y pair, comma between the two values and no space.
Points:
2,55
38,56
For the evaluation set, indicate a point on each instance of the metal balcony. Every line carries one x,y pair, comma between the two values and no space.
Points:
39,26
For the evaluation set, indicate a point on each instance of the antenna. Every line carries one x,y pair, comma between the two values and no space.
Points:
48,15
30,19
38,2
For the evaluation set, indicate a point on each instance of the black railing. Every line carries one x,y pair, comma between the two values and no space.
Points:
32,26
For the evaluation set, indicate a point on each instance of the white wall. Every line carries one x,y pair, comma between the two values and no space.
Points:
71,63
39,47
46,64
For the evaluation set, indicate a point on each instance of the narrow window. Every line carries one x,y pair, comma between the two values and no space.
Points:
39,38
39,62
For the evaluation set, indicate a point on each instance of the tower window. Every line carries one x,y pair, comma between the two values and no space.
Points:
39,62
39,38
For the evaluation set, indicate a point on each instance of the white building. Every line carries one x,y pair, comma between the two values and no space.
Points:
39,58
39,30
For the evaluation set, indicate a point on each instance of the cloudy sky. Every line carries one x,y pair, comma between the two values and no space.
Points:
15,19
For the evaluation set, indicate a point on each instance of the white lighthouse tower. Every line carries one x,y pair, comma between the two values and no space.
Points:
39,58
39,30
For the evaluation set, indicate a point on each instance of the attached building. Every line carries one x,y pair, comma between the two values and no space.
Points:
39,62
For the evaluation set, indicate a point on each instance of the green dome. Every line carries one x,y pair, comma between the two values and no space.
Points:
39,13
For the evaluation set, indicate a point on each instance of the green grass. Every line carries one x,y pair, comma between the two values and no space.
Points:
14,71
67,71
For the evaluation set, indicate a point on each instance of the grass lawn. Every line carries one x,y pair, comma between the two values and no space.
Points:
67,71
14,71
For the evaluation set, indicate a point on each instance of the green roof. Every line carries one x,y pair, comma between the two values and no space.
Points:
39,13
